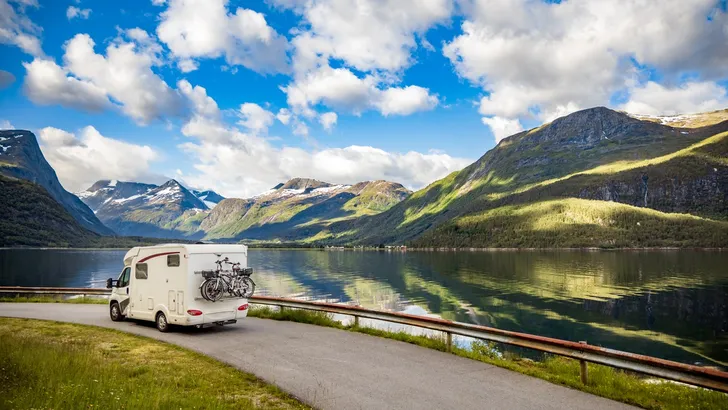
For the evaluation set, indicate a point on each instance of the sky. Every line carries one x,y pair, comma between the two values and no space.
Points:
237,96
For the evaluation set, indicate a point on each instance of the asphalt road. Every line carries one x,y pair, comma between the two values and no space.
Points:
335,369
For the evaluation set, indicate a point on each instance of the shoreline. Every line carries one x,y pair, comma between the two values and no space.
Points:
405,249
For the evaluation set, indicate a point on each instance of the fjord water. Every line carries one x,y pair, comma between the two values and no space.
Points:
669,304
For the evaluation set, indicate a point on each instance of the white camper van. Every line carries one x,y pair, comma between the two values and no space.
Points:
163,284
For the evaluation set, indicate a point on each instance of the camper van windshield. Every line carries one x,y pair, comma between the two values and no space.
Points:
124,278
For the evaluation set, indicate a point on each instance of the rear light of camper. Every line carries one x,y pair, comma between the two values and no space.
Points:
194,312
243,307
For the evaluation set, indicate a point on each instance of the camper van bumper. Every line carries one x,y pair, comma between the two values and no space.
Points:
226,317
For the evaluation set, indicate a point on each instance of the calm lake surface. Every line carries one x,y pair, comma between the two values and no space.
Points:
669,304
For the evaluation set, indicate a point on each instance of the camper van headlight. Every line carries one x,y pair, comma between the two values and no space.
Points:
194,312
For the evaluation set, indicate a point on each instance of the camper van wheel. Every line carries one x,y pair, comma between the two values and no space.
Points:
115,312
162,324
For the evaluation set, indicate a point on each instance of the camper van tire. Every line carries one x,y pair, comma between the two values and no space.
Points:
115,312
162,324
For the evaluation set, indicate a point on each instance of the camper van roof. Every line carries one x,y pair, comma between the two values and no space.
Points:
190,248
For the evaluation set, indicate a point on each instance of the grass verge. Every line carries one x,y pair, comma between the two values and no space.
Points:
53,299
66,366
615,384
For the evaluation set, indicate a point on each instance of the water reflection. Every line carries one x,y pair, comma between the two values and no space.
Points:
670,304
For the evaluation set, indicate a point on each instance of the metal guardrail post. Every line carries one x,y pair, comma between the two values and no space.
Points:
583,369
449,342
356,321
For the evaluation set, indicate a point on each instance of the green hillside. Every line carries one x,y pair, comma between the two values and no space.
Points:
299,210
575,223
597,155
31,217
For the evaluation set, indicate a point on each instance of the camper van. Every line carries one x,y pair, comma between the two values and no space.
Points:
162,284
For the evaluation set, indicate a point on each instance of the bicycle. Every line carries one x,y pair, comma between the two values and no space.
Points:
236,282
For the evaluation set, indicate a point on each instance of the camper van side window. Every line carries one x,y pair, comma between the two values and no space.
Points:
172,260
142,271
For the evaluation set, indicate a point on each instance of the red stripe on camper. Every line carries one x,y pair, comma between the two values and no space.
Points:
157,254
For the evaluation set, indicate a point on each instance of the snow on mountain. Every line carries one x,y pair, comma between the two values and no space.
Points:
138,209
210,198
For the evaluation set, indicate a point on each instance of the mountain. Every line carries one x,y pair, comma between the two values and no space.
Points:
299,209
21,157
296,210
32,217
596,177
131,208
112,190
210,198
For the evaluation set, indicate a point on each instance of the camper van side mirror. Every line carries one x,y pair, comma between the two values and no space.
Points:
109,283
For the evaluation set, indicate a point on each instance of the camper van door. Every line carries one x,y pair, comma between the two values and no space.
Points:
140,290
122,290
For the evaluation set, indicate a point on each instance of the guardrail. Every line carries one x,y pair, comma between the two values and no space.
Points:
685,373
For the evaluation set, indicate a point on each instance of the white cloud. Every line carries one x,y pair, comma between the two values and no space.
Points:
17,29
237,163
125,74
502,127
299,127
205,29
328,120
553,58
337,88
252,165
284,116
691,97
201,103
81,160
6,125
46,83
341,89
365,34
75,12
187,65
405,101
90,81
375,39
255,118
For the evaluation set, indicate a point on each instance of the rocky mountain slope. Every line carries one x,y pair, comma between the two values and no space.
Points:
130,208
21,157
552,186
299,209
31,217
296,210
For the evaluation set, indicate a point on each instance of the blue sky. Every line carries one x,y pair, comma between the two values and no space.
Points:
418,89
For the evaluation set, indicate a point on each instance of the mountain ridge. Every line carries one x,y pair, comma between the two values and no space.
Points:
129,208
596,154
22,158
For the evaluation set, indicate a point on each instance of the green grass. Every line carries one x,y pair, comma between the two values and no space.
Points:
54,299
603,381
65,366
576,223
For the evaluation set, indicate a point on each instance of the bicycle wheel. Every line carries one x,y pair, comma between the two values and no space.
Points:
248,287
203,290
212,290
